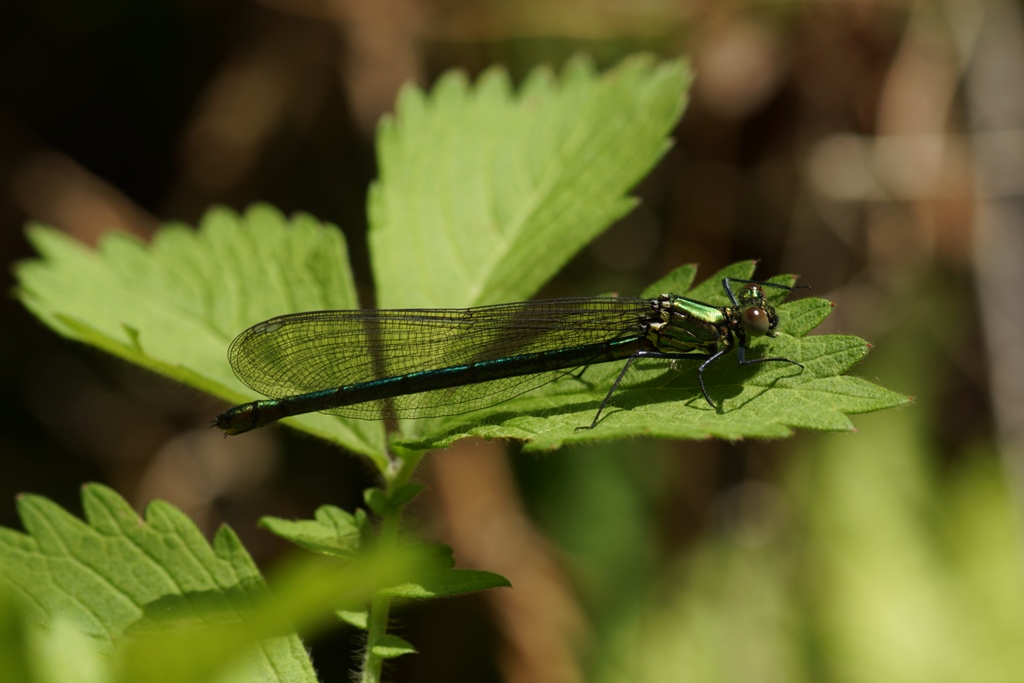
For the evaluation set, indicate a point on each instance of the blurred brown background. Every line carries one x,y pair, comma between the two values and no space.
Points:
875,148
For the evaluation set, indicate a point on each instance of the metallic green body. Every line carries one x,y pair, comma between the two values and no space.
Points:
686,325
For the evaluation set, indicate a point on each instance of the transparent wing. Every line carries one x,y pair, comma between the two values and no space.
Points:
307,352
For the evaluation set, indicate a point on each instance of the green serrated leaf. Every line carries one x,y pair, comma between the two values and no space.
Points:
800,317
502,188
679,280
103,575
658,400
485,193
165,606
333,532
175,652
710,289
174,305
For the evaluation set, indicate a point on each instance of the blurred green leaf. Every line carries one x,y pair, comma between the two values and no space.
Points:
105,574
166,606
302,597
336,533
871,557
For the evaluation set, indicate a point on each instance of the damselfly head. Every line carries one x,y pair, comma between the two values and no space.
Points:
758,318
751,294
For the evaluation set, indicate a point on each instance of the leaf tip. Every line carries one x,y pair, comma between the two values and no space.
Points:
133,337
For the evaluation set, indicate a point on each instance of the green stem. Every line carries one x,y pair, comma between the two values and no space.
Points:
403,466
380,607
376,629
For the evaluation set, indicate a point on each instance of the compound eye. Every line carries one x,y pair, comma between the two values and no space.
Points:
755,322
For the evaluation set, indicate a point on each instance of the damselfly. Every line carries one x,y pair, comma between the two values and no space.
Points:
413,363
